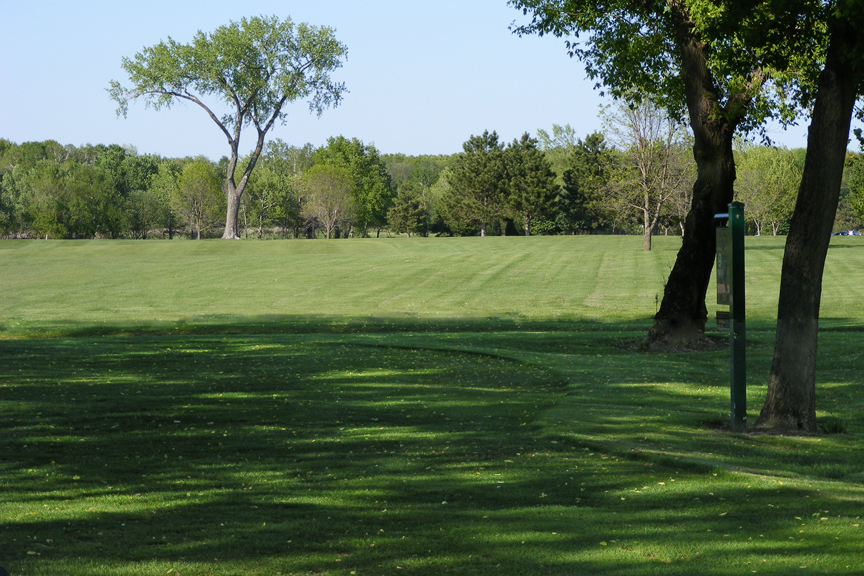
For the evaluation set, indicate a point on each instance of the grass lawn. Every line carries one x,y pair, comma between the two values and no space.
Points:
393,406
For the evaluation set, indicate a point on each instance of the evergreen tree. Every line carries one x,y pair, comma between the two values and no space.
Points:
530,181
409,213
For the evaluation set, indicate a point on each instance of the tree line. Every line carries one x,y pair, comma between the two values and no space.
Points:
635,177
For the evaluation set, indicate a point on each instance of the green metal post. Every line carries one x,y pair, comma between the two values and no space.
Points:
737,328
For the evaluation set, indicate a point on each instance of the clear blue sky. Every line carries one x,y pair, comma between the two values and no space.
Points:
423,75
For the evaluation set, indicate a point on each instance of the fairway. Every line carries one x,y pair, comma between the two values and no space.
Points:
396,406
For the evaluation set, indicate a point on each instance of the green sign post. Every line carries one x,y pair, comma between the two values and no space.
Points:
730,292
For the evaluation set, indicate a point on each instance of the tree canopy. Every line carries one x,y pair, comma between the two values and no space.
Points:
477,181
728,65
371,188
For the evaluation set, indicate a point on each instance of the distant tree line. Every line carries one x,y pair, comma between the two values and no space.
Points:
635,177
48,190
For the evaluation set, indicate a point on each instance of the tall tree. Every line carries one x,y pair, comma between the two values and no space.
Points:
691,55
768,180
328,196
164,186
530,184
198,196
371,188
558,147
409,212
856,186
255,67
654,162
790,402
476,181
579,204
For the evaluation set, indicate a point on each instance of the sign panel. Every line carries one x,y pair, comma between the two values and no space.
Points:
723,318
724,250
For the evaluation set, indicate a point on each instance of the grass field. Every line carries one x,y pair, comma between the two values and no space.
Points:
393,406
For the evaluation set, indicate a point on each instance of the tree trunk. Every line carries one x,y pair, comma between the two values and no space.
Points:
647,230
791,400
232,195
682,315
482,229
527,225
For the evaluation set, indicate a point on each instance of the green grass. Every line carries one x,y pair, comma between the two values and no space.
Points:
404,407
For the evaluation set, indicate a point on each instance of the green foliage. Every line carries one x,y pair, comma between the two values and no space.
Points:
409,214
420,170
164,185
530,182
477,184
371,188
198,197
328,196
71,200
273,192
631,50
146,211
767,184
558,147
127,169
856,185
254,66
579,205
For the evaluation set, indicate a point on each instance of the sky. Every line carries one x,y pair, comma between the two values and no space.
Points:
422,75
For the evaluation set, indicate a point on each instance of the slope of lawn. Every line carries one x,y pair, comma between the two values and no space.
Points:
597,278
392,406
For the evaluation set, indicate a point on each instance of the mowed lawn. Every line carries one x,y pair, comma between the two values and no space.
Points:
396,406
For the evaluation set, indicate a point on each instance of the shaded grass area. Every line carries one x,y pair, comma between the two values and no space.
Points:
540,449
433,406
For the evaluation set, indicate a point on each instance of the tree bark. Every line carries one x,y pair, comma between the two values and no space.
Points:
527,225
681,318
647,230
790,404
232,212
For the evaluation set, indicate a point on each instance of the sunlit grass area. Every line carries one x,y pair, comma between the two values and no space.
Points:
506,437
47,284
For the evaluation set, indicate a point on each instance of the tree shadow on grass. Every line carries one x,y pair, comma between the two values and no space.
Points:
474,451
232,324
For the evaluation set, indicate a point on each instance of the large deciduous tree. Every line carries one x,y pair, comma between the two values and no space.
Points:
198,197
371,187
768,180
253,67
654,164
328,196
790,402
688,55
